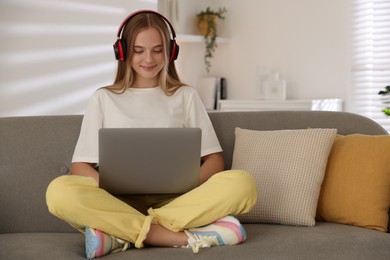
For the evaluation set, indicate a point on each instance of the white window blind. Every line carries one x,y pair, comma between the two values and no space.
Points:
371,58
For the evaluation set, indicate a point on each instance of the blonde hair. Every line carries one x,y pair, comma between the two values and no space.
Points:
169,80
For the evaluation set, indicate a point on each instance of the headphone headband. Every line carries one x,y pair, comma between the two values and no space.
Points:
120,44
124,22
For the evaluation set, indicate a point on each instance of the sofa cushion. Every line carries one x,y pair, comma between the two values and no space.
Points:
356,187
324,241
288,167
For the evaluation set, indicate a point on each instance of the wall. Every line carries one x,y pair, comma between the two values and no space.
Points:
189,64
54,54
306,41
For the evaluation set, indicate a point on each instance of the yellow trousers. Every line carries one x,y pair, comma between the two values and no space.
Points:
80,202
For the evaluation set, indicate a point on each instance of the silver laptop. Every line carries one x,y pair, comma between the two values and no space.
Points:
149,160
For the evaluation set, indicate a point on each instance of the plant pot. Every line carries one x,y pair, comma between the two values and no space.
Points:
207,25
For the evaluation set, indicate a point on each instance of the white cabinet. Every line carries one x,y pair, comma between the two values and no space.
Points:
332,104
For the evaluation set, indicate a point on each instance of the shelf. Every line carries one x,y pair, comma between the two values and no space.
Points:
331,104
192,38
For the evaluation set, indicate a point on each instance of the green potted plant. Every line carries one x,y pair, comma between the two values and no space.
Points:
386,93
207,24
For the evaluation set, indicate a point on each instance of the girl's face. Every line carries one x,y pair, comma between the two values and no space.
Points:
148,58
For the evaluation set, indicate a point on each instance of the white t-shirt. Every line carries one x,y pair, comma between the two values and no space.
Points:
142,107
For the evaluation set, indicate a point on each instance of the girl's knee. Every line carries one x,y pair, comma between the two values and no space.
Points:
242,179
56,192
61,194
247,181
240,182
242,176
241,188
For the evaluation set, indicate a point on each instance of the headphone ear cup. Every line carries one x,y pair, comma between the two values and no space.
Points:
116,49
174,50
120,49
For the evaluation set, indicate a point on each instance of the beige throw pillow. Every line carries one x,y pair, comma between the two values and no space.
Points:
288,167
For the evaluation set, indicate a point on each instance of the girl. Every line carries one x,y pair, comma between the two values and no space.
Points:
147,92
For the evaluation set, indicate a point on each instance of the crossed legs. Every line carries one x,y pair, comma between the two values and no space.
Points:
80,202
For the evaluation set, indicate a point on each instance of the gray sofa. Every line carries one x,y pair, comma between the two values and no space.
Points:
35,150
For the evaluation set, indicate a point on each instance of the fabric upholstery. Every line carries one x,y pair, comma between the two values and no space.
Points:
288,167
35,150
323,242
346,123
356,188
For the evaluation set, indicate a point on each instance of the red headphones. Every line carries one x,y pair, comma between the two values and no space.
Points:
120,44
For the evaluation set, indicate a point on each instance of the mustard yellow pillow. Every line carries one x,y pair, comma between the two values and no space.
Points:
356,186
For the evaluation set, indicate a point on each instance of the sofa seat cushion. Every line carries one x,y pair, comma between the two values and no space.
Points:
265,241
59,246
323,241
